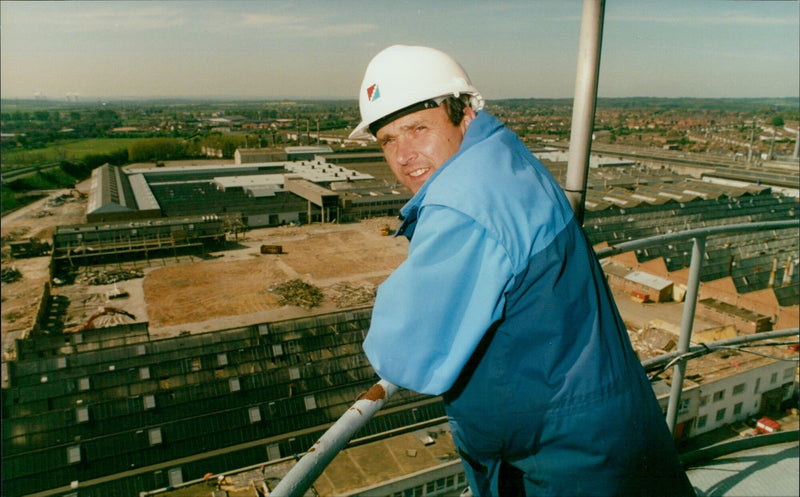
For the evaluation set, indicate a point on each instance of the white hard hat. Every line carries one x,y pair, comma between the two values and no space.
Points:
401,76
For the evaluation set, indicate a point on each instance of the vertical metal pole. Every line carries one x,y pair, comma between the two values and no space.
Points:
583,107
689,305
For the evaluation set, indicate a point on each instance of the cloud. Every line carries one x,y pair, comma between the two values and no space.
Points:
301,26
705,20
142,17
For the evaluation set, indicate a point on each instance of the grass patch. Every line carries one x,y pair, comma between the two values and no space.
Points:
12,201
71,150
42,180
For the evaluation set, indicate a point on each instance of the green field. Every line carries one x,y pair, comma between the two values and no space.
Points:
64,150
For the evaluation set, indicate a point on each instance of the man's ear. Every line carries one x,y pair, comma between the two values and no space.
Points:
469,115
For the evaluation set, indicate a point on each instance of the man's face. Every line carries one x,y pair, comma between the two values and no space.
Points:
416,145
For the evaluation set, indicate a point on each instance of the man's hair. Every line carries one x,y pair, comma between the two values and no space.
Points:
454,106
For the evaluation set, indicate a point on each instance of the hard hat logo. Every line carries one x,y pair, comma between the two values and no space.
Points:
373,93
409,75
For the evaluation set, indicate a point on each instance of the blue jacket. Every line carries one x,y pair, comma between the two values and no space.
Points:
494,242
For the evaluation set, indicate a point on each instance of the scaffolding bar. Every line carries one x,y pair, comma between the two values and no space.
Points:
689,306
584,103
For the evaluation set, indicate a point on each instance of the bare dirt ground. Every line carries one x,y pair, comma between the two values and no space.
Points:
236,286
193,293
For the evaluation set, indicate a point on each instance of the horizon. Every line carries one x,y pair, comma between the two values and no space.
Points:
212,99
309,50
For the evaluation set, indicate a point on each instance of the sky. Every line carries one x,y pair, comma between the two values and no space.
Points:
319,49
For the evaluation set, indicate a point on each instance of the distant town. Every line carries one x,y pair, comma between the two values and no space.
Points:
721,126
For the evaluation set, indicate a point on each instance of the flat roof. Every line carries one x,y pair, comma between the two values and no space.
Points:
648,280
732,309
252,181
309,149
319,171
594,160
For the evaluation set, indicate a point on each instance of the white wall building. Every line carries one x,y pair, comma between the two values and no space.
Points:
737,397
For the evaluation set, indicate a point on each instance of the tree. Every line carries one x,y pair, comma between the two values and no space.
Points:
156,149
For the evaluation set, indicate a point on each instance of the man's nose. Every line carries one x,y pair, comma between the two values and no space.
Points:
405,153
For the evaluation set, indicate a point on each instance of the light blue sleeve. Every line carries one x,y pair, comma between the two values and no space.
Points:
432,312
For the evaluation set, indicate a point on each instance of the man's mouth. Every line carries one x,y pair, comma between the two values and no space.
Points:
418,172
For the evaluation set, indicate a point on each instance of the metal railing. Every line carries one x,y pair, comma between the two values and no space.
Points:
313,463
300,478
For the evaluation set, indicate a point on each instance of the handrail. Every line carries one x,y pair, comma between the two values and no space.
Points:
621,247
707,348
314,462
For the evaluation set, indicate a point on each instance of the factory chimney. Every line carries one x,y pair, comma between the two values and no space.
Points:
771,283
788,272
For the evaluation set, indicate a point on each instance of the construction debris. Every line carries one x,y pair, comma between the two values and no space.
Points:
104,318
344,295
30,247
10,274
116,293
108,277
298,293
72,196
271,249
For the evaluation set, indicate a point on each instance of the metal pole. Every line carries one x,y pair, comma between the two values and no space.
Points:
689,305
583,107
314,462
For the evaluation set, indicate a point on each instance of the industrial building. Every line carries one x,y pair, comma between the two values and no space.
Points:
79,245
256,191
263,194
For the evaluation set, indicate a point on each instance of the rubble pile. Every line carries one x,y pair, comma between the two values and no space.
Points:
108,277
10,274
15,235
344,295
298,293
55,201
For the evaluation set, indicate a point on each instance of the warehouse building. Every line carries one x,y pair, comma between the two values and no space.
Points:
257,191
153,413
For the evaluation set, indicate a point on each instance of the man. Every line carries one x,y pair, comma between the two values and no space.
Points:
501,306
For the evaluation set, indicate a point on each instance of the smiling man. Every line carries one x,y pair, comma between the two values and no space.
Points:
416,145
501,306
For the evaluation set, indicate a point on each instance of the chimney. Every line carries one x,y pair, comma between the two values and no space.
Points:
771,283
788,272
